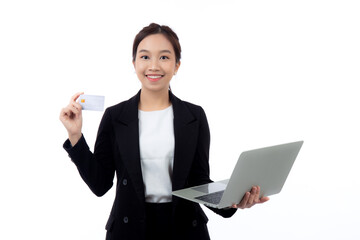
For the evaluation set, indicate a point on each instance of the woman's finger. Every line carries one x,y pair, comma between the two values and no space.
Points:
75,110
252,196
70,111
257,194
76,96
264,199
243,201
77,105
66,111
63,113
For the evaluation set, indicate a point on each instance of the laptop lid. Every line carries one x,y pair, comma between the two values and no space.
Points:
265,167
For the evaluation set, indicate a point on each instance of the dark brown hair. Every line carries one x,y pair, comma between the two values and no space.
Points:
155,28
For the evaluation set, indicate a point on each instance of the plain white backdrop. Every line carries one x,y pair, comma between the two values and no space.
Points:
266,72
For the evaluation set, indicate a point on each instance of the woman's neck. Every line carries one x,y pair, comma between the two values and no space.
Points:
153,101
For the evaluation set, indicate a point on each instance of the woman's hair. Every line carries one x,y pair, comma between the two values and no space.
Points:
154,28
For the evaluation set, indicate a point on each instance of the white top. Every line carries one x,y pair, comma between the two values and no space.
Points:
157,144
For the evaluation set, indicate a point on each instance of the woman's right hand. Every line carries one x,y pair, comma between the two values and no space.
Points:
71,117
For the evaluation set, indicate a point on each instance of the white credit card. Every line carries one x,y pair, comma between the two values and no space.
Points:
92,102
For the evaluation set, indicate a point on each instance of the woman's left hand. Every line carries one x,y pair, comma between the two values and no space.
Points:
251,198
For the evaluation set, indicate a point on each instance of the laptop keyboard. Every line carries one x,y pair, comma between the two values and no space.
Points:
213,198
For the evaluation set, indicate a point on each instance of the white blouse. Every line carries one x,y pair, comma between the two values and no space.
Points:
157,144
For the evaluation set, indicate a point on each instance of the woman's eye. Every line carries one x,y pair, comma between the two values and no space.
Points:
144,57
164,57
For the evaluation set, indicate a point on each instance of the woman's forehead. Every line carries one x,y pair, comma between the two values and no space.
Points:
155,43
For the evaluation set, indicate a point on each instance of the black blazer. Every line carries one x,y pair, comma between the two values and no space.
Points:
117,150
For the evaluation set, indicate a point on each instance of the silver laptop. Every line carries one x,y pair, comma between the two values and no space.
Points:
265,167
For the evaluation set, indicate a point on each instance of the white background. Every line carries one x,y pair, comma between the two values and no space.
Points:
266,72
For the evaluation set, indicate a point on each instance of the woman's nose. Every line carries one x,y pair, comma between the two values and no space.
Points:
154,65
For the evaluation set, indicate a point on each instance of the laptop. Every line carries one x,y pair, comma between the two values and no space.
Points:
265,167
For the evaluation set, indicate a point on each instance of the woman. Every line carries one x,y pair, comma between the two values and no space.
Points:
156,144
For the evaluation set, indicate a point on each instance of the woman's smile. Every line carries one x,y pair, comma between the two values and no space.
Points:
154,77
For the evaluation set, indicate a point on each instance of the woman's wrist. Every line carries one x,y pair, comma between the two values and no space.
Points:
74,138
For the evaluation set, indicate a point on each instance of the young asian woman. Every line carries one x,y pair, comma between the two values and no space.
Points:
155,143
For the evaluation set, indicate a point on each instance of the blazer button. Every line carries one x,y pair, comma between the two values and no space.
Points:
126,219
194,223
124,182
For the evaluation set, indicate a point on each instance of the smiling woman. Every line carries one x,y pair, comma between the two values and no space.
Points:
156,144
156,58
155,63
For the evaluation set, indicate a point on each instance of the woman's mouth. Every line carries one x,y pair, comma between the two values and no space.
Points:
154,78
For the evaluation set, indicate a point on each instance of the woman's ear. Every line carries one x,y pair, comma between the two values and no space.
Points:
177,65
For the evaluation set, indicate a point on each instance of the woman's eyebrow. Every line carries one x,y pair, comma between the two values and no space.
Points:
165,51
147,51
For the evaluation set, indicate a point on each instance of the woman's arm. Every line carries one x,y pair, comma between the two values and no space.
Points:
97,170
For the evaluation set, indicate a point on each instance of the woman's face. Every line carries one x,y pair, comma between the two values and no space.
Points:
155,63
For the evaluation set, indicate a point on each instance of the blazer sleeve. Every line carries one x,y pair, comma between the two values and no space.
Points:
200,170
96,169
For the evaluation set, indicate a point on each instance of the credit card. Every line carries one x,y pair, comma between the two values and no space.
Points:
92,102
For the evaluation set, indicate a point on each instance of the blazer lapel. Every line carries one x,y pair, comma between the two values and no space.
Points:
186,132
127,136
